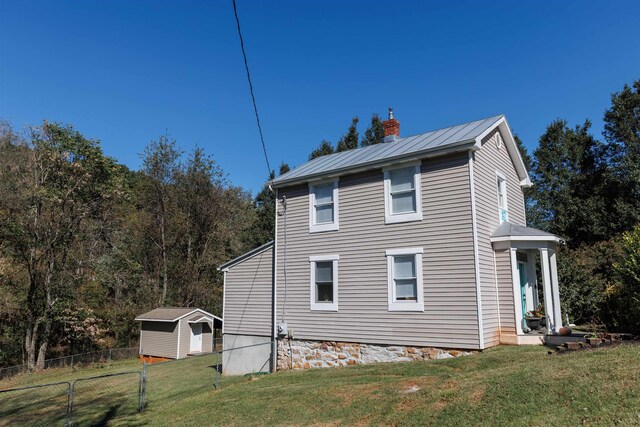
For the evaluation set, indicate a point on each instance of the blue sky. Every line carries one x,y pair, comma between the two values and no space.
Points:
126,71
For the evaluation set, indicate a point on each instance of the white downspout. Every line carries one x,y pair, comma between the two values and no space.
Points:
476,255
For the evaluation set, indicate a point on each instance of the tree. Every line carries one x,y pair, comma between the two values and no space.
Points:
58,182
622,133
324,149
374,133
160,162
350,140
533,212
284,168
567,184
263,229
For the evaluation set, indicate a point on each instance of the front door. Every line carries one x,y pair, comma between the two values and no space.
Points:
522,274
196,338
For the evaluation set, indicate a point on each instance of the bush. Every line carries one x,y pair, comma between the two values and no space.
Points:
585,274
624,296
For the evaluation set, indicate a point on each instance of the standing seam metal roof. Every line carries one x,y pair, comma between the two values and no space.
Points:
402,147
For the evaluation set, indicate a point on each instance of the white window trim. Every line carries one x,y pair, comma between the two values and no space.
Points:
389,217
500,175
329,226
405,305
323,306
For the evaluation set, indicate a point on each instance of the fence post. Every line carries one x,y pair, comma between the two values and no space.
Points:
218,362
69,422
72,362
143,387
109,356
73,397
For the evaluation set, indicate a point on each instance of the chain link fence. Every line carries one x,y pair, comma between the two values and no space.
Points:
42,405
21,375
95,400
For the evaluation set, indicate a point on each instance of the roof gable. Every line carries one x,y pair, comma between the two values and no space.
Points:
171,314
438,142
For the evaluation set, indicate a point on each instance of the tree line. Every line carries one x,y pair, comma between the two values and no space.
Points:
86,244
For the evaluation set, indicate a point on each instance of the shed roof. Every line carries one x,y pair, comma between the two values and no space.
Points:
435,142
172,314
227,265
510,231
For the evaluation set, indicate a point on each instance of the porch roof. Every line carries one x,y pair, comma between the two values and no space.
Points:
508,231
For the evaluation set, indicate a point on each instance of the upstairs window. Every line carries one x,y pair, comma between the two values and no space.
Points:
402,194
324,282
503,210
323,207
405,279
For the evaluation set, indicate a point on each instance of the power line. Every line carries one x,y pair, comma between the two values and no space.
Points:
253,98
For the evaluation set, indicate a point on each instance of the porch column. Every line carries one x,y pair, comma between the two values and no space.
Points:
555,292
517,301
546,287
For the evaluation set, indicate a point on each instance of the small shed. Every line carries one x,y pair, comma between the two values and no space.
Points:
177,332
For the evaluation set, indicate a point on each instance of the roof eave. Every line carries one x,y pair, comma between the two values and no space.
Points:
554,239
253,252
432,152
141,319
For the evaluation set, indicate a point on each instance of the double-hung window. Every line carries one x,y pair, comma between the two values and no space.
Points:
324,282
404,269
503,210
402,194
323,206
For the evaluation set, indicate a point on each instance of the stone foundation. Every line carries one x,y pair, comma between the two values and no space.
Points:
298,354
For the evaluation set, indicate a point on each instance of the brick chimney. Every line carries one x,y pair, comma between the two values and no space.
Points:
391,128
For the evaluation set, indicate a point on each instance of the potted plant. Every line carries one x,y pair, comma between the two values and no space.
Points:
533,319
543,318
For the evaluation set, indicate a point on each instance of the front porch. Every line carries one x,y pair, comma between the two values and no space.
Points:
527,253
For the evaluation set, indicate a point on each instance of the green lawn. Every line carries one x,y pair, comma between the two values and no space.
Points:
519,386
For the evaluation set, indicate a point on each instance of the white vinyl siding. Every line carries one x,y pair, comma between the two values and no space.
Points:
404,280
323,207
450,317
324,283
402,194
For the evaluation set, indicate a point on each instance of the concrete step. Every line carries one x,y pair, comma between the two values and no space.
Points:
572,345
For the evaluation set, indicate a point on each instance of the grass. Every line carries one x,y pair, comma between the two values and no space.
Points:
510,386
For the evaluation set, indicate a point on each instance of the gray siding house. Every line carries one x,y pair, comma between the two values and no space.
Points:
417,246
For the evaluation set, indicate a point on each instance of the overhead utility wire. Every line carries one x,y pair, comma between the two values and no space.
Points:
253,98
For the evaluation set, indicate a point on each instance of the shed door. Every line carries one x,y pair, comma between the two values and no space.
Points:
196,338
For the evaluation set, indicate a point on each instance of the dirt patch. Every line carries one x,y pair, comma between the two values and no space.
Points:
408,404
450,385
477,394
440,405
417,382
348,394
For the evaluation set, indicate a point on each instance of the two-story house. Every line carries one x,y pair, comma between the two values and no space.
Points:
414,248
